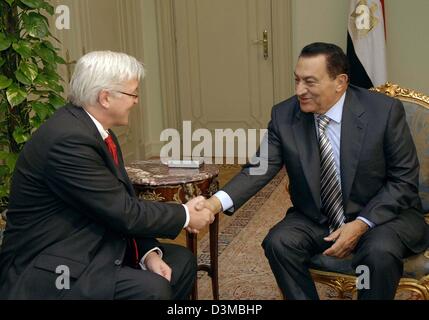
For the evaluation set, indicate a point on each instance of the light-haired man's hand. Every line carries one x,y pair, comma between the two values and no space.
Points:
155,264
212,204
199,215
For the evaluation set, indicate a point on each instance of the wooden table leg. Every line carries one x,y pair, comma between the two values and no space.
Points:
191,243
213,269
214,231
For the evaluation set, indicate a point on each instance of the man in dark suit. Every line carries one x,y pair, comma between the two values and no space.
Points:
75,228
353,179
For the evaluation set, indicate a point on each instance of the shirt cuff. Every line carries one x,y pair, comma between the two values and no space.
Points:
369,223
187,216
142,264
225,200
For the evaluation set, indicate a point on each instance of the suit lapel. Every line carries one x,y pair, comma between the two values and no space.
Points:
119,172
353,128
306,141
121,168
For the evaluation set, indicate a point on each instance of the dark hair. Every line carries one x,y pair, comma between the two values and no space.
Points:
336,60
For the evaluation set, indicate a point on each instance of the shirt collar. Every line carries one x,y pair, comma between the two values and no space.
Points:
104,133
336,111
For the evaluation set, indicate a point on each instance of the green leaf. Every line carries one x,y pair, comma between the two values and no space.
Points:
2,61
10,2
35,122
51,74
4,170
50,9
56,101
41,109
3,155
5,82
4,192
40,92
22,78
23,48
20,136
3,108
15,95
48,45
47,23
54,85
41,80
4,42
11,161
29,69
45,53
35,24
44,81
33,4
59,60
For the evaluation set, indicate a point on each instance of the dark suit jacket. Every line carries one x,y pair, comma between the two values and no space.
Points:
70,205
379,165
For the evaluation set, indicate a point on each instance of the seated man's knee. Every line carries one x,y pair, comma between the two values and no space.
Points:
161,290
378,259
190,261
277,243
186,260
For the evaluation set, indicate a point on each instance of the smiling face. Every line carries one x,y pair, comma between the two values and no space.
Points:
317,91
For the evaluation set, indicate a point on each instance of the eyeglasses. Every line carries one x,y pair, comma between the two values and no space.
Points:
128,94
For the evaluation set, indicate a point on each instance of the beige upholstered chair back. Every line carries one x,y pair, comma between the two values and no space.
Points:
416,106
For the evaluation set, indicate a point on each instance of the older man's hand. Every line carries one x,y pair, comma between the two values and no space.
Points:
213,204
345,238
203,205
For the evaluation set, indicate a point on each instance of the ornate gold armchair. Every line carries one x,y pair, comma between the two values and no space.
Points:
338,274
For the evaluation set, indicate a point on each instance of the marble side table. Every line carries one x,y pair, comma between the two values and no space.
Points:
154,181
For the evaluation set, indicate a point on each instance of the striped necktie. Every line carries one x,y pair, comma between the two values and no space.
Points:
330,188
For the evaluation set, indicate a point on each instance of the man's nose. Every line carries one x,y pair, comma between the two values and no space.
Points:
300,89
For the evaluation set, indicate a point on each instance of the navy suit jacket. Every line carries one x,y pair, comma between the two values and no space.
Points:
379,165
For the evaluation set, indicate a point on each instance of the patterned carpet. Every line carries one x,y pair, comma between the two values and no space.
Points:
243,269
244,272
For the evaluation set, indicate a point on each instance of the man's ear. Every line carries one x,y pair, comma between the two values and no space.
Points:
103,99
342,81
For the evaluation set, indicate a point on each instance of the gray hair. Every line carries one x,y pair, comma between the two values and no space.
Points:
102,70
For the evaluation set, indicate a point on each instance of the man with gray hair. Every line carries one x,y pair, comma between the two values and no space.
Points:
76,229
353,180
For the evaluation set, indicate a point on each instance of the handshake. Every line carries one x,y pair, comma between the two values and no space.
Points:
202,212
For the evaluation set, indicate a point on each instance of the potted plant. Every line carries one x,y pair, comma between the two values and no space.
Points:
30,86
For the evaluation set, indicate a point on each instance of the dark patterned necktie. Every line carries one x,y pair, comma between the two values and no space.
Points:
111,146
330,188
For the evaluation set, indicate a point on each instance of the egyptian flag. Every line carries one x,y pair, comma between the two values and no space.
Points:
366,43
